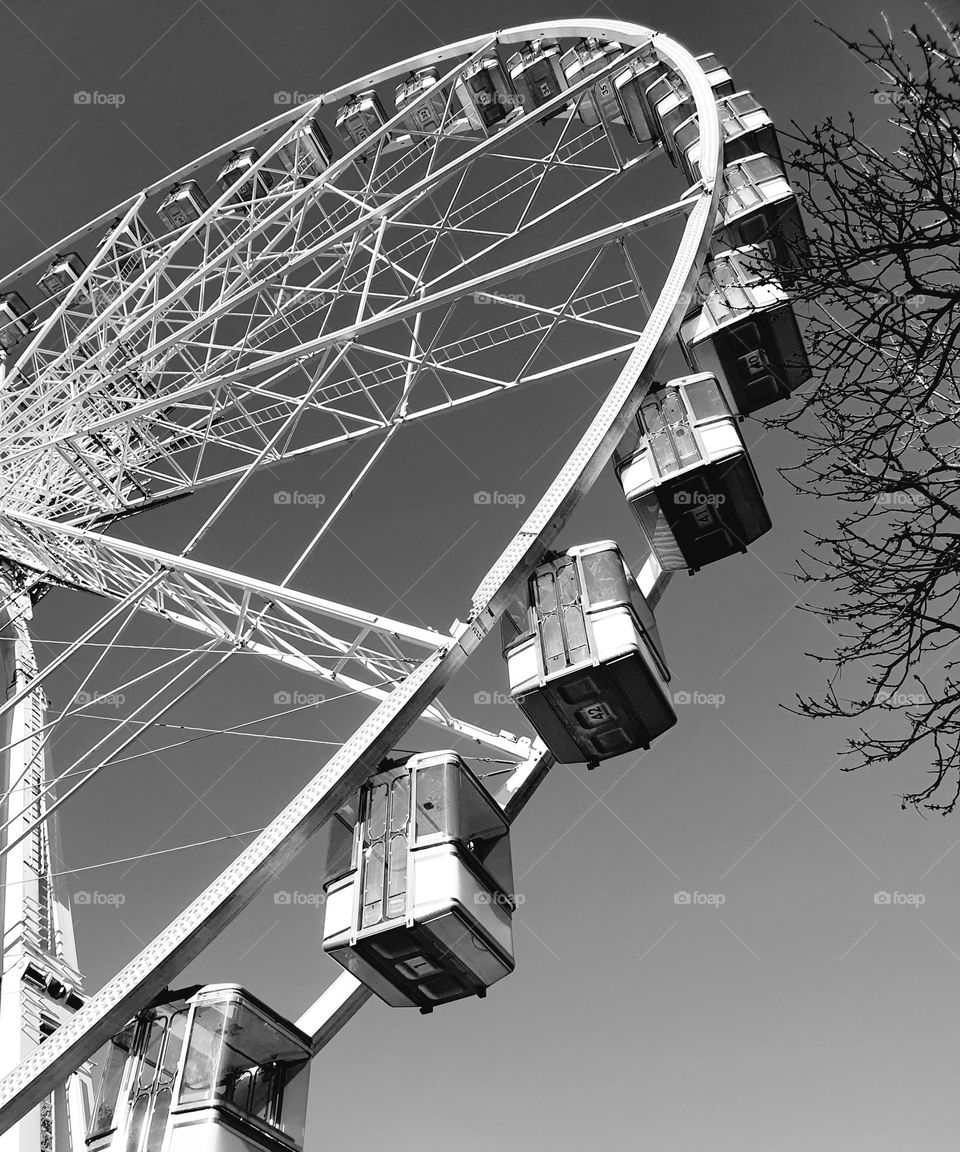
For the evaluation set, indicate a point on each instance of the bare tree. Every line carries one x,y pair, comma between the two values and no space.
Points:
879,425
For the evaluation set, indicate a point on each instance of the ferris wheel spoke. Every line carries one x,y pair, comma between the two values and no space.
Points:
11,841
146,410
278,364
33,682
443,296
275,627
81,699
398,204
122,569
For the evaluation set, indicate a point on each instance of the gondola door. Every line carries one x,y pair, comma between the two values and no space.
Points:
160,1044
384,857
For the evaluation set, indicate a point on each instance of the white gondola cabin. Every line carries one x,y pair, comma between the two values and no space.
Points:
486,94
673,104
239,167
600,102
204,1070
586,666
631,85
720,80
758,206
60,275
744,330
307,153
183,204
419,899
359,118
431,114
746,129
537,75
14,320
690,476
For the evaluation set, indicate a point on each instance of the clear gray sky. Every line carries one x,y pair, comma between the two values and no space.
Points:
797,1015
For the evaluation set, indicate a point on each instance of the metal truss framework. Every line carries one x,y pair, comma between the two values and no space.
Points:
304,310
316,314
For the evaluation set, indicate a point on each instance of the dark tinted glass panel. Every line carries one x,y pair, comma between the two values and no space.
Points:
650,413
430,783
485,96
631,440
111,1081
672,120
494,855
604,577
514,622
339,847
743,102
203,1049
687,135
255,1060
753,229
293,1103
706,400
483,832
764,168
481,86
753,357
543,83
667,85
237,1088
264,1093
642,609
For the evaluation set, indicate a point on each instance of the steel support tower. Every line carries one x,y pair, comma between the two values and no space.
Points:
40,985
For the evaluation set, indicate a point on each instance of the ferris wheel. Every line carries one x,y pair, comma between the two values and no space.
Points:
282,298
